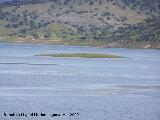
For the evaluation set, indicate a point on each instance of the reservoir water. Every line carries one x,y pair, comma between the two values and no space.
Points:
91,88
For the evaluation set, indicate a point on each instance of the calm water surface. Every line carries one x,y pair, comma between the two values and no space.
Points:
98,89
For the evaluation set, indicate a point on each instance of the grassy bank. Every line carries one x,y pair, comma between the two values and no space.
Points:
94,43
83,55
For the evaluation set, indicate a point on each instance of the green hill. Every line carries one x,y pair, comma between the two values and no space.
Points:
93,22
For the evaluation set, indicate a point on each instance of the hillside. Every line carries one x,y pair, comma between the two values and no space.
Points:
73,21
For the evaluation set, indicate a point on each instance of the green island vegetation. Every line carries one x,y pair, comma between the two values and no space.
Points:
83,55
104,23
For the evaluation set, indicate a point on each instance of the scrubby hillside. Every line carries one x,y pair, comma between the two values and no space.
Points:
105,21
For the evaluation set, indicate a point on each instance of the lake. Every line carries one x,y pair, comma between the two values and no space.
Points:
93,89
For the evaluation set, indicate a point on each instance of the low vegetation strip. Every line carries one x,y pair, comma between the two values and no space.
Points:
82,55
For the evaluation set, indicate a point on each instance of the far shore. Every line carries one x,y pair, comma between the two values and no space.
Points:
93,43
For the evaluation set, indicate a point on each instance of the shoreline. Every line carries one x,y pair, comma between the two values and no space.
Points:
129,45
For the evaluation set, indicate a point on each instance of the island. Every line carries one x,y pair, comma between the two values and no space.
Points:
82,55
